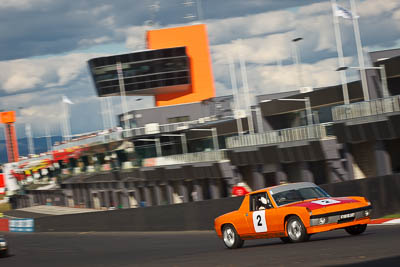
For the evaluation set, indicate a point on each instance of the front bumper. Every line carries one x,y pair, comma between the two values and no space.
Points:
340,219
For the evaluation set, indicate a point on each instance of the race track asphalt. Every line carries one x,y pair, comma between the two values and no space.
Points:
378,246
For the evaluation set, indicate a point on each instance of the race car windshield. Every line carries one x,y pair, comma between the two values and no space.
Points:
295,195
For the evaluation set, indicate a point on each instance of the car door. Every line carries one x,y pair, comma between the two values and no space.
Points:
261,215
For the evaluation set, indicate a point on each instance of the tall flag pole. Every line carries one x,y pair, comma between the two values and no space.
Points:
67,128
235,96
246,91
125,119
359,51
48,138
338,12
31,146
279,70
110,111
103,110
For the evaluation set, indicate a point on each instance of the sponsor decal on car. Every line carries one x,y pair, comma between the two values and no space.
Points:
346,216
325,202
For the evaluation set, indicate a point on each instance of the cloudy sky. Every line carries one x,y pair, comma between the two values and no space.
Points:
45,45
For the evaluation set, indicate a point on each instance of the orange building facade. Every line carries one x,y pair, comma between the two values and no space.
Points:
195,39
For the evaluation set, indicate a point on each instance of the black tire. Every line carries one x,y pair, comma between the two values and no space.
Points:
295,230
356,229
231,238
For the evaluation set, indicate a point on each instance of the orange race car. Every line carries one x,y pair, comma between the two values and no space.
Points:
292,212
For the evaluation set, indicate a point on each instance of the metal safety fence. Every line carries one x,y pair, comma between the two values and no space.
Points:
367,108
318,131
204,156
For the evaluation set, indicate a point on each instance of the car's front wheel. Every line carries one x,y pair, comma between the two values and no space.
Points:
296,232
356,229
231,238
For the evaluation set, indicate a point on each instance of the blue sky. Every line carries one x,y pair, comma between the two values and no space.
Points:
45,45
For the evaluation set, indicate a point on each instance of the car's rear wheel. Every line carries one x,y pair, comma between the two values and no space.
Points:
356,229
231,238
296,232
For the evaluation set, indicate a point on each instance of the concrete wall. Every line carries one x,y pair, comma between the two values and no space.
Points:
179,217
383,192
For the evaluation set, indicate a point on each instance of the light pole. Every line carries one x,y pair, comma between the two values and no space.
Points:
28,130
381,68
300,82
235,96
214,136
340,54
103,115
48,139
28,133
246,92
259,119
359,50
110,111
123,94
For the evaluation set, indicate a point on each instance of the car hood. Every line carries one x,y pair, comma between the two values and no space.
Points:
324,203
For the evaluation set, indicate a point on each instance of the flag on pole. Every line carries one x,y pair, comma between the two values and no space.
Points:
66,100
343,12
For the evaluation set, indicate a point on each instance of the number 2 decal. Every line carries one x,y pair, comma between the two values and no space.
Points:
259,223
259,220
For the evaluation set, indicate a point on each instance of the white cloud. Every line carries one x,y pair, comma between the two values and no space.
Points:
101,9
314,9
21,4
24,74
254,50
135,36
376,8
95,41
240,27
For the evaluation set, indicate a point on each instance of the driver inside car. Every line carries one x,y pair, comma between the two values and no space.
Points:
262,203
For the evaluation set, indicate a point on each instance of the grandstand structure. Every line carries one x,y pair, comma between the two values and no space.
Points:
194,146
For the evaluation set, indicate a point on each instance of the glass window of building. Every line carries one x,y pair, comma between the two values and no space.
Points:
178,119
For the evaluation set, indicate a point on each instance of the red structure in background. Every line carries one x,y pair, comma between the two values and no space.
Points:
2,183
4,225
8,118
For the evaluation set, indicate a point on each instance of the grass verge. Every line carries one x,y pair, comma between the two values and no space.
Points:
5,207
396,215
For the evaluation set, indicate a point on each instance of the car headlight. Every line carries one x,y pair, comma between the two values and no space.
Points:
367,213
323,220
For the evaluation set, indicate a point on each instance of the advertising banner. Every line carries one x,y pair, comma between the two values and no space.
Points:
21,225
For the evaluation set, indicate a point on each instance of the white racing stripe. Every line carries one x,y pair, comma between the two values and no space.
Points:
394,221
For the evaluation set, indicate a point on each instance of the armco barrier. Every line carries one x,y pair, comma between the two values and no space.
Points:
383,192
21,225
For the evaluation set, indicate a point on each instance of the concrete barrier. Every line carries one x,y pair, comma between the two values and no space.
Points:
187,216
383,192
